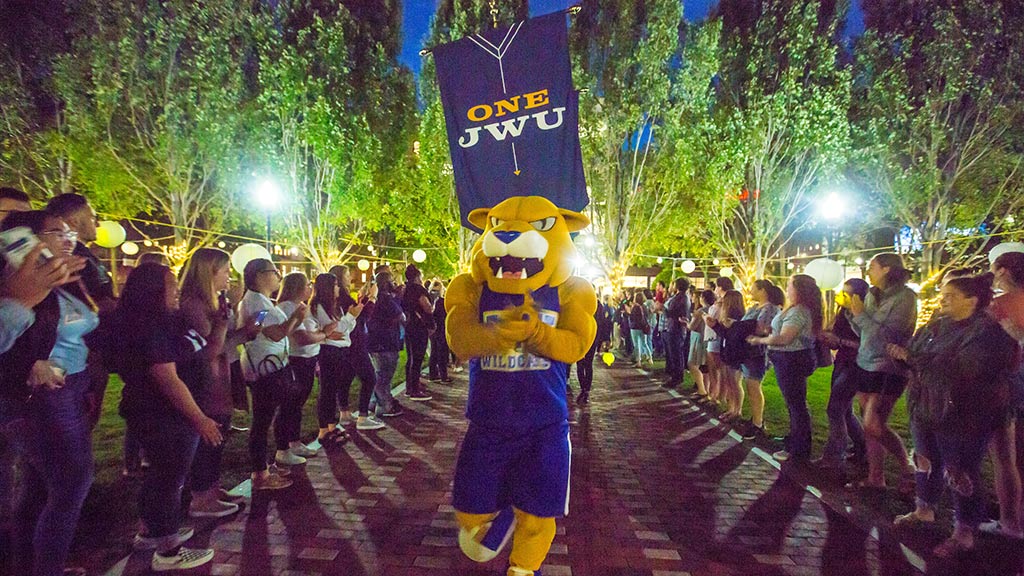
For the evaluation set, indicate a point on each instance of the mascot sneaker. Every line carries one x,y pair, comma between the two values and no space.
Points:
483,543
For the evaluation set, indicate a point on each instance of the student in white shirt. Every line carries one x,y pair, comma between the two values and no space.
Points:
303,349
264,363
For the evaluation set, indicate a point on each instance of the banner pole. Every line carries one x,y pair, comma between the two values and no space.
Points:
571,10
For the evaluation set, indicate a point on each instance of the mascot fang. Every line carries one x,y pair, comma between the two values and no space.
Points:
521,319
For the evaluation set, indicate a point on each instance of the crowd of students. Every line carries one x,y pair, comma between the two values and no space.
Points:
962,374
190,349
201,348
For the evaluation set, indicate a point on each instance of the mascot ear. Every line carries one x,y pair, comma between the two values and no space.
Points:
478,218
575,221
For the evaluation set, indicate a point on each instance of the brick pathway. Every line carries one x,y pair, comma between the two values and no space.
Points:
657,490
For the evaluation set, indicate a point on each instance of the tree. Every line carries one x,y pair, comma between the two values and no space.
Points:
780,132
623,53
938,118
152,93
337,113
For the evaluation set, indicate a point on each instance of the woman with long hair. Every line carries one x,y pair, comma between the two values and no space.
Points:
961,363
730,310
843,425
887,316
356,358
697,359
791,351
265,365
204,307
167,369
303,349
46,395
639,328
769,300
1007,444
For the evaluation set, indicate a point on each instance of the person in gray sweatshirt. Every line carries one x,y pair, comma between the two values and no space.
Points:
887,316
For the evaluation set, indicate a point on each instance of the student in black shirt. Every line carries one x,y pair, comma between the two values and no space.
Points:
167,371
418,310
439,351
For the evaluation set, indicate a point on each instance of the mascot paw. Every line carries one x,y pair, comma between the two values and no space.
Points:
483,543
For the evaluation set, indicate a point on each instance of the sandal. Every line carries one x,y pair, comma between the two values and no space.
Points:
337,436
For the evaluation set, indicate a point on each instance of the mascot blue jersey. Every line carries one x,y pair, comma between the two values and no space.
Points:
515,390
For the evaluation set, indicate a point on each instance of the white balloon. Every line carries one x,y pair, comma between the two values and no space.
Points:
247,253
110,234
130,248
826,272
689,266
1003,248
363,264
419,256
726,272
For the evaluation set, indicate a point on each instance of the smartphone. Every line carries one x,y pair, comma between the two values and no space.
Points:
224,306
16,243
261,316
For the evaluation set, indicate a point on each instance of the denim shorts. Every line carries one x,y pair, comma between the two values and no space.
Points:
880,382
754,368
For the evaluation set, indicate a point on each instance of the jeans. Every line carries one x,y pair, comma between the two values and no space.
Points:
170,445
640,344
356,363
791,371
843,425
676,348
290,418
206,463
386,363
267,394
439,355
54,435
415,352
950,452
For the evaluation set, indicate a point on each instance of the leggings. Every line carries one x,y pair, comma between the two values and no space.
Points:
356,363
290,423
267,393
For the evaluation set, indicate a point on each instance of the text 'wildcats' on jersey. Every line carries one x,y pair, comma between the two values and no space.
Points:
517,387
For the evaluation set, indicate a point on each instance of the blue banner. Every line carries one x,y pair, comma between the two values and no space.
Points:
512,115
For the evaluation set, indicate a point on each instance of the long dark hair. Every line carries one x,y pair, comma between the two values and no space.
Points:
323,295
144,297
809,295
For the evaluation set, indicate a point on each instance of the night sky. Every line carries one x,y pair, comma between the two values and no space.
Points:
416,21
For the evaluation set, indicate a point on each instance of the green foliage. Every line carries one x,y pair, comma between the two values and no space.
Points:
938,124
780,131
151,93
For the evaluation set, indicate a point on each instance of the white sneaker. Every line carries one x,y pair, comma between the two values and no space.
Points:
781,455
141,542
288,458
185,558
215,509
300,449
996,528
315,445
369,423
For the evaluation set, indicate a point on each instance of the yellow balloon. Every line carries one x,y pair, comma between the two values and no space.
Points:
608,358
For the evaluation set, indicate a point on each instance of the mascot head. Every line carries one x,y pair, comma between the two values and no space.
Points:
525,244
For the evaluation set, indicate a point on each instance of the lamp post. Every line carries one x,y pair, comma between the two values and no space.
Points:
831,208
268,195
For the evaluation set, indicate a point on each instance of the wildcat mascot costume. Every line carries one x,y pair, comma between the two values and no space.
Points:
521,319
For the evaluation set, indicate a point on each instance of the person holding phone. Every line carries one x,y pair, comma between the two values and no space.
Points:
45,408
265,364
205,308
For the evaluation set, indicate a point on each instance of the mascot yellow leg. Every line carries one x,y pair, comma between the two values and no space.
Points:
482,536
530,544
